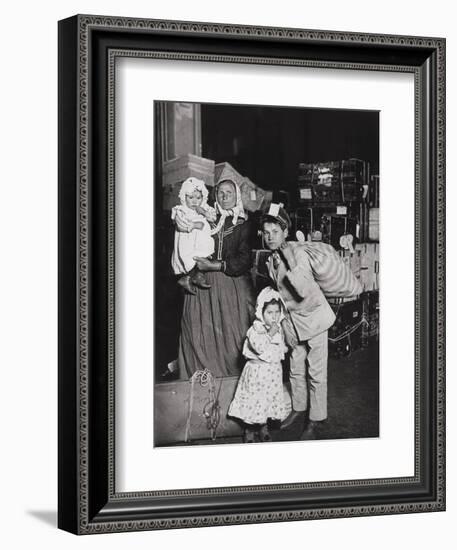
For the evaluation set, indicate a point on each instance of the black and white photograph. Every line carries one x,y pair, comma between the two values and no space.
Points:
226,285
266,273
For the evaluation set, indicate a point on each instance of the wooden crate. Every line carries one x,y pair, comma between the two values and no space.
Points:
369,265
177,170
373,224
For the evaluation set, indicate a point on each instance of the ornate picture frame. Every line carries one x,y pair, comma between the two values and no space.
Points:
88,48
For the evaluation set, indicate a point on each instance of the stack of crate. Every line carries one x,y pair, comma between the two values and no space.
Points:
338,182
332,200
369,265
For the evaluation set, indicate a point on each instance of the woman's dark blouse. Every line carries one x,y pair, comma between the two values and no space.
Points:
233,246
215,320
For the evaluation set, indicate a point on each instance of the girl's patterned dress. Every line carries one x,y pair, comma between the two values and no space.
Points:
259,394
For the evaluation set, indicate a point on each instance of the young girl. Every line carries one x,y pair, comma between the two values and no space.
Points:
192,233
259,394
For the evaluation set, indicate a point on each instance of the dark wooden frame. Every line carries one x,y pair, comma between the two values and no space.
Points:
88,46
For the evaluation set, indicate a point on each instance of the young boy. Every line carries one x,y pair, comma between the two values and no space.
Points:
310,317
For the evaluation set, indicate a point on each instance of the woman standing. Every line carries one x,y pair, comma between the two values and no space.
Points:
215,320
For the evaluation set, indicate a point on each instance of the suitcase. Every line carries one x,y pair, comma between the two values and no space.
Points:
171,411
371,308
259,270
347,333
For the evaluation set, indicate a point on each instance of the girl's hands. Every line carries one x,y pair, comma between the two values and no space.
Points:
198,225
273,329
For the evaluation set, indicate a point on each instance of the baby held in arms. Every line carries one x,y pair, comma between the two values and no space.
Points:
192,233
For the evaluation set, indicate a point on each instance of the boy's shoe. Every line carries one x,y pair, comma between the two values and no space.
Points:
311,430
185,282
293,417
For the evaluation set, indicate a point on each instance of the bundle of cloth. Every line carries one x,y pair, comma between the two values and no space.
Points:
334,276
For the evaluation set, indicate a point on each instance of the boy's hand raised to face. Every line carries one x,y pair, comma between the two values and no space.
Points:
288,254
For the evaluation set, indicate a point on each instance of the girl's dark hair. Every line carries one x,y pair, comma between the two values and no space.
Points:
275,302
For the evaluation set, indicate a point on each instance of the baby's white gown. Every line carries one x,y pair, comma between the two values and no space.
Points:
197,242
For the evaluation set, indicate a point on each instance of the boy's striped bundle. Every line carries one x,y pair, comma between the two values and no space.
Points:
332,274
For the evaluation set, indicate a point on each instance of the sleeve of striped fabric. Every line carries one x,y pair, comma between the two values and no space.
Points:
300,275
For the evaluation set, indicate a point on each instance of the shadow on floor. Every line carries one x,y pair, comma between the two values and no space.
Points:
45,516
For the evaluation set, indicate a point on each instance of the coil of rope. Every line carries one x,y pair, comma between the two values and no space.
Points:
211,409
350,330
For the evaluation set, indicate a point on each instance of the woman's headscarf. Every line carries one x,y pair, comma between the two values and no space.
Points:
267,295
237,211
189,186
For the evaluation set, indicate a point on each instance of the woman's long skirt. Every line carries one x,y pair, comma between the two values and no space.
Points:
214,325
